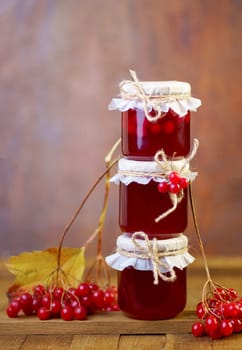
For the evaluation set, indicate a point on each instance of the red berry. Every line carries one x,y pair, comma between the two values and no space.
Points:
184,182
66,313
15,305
36,304
174,188
216,334
163,187
174,177
80,313
233,293
211,324
74,303
11,311
109,298
220,294
55,307
200,310
115,307
198,329
82,290
226,327
58,293
93,286
45,300
97,298
38,290
43,313
86,301
237,324
26,300
231,310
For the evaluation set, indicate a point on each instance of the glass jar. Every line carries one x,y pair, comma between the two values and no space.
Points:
142,138
140,205
139,298
155,115
141,294
141,202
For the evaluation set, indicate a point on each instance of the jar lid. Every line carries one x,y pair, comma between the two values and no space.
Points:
142,172
159,256
160,88
163,245
157,95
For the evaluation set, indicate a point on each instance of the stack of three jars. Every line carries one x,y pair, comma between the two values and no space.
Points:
153,177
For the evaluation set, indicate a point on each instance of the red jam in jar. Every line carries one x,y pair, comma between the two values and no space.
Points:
140,205
155,116
142,138
140,298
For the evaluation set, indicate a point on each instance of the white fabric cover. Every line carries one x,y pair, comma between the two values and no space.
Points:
120,262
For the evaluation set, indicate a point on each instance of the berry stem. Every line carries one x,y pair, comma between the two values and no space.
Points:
199,238
100,261
109,165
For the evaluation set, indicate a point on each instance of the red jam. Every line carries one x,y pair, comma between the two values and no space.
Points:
140,205
141,139
139,298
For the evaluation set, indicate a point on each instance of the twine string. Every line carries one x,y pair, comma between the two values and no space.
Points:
167,167
151,251
150,101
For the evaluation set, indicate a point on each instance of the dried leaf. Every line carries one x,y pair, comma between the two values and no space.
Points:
32,268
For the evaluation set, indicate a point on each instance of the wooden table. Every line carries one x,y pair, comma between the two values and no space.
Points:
111,331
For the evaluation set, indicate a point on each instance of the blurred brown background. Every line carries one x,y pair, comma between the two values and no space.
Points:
60,65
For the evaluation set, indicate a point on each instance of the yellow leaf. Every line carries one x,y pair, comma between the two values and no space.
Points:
38,267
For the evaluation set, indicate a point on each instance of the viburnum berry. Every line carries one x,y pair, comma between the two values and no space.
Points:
233,294
226,327
184,182
174,188
44,313
36,304
98,298
55,307
83,289
200,310
45,300
174,177
237,325
211,324
26,300
231,310
163,187
223,315
38,290
67,313
58,293
198,329
73,303
11,311
80,313
109,298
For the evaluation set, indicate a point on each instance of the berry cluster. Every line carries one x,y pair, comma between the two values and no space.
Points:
173,184
74,303
220,315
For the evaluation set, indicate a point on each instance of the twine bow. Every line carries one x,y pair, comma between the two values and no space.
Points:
150,101
151,252
167,167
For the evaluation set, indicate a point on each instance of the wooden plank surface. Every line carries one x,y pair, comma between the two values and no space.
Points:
104,323
114,331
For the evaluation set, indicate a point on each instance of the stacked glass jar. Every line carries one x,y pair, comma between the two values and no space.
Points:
153,177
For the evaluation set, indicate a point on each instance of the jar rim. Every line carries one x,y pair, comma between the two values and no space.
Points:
125,242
